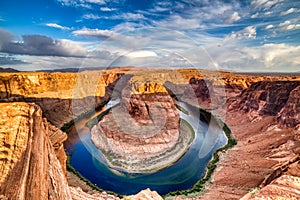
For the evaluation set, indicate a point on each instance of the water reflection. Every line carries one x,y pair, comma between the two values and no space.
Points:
90,162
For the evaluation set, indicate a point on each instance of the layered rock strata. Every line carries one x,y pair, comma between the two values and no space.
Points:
290,113
29,166
62,96
143,134
276,98
262,118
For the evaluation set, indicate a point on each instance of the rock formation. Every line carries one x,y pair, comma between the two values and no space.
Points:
62,96
290,113
29,166
142,134
146,195
265,98
262,120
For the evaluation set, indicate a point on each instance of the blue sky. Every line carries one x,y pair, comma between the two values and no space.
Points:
257,35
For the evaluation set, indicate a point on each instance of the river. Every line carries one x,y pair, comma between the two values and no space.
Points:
182,175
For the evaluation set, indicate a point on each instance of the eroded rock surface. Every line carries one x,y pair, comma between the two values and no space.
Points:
146,195
62,96
31,159
265,98
290,113
143,133
29,166
266,149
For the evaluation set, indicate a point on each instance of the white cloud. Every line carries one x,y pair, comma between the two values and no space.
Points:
268,13
196,14
287,25
159,9
95,33
234,17
81,3
54,25
271,3
122,16
128,26
289,11
176,22
276,55
284,25
40,45
230,56
293,27
107,9
141,54
264,4
270,26
267,58
258,2
247,33
91,16
255,15
50,63
100,2
128,16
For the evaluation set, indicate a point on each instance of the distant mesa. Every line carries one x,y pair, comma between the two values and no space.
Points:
8,70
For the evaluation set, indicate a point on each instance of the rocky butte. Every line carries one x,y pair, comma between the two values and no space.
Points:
143,133
261,110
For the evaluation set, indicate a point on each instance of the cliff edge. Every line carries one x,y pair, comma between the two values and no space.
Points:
29,166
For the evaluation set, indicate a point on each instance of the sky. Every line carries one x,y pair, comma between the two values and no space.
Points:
231,35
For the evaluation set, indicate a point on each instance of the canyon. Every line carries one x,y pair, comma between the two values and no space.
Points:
262,112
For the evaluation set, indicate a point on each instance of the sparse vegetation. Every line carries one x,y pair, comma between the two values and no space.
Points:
255,190
71,169
182,109
199,187
89,183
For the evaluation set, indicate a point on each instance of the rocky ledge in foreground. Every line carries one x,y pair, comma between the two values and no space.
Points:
29,166
144,133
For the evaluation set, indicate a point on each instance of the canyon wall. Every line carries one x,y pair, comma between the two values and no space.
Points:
264,120
270,98
263,115
29,166
62,96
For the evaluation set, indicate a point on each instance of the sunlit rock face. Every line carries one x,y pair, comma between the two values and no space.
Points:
142,134
61,96
29,166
